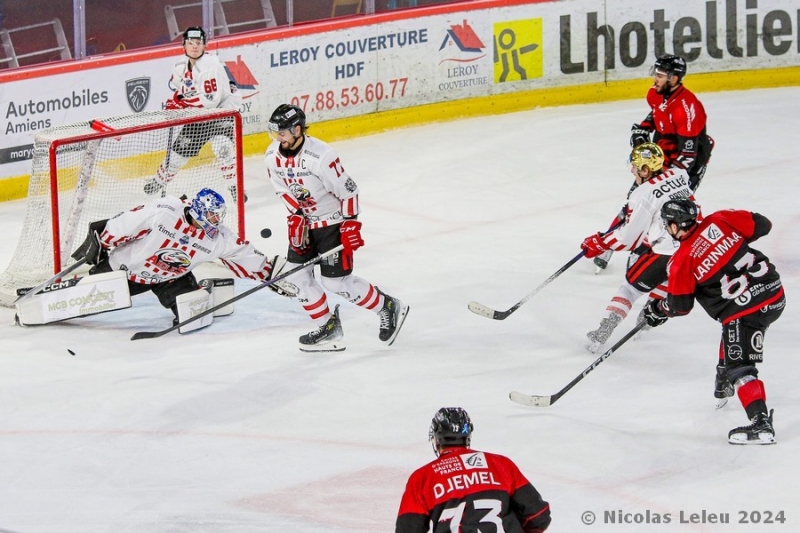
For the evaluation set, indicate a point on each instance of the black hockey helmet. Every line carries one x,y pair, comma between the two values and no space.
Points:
450,426
194,32
671,64
287,116
681,212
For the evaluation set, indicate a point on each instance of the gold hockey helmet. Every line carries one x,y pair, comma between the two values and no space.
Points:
648,155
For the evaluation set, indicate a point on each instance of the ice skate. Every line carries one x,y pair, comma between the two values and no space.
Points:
598,337
153,186
329,337
759,431
392,315
639,320
723,388
601,261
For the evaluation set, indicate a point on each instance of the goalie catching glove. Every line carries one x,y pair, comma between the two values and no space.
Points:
92,249
283,287
654,313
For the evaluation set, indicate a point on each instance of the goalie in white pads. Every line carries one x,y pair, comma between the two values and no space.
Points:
322,200
643,225
157,245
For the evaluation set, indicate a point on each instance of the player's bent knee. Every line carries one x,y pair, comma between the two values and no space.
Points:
741,374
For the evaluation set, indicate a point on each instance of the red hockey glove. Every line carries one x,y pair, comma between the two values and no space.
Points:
176,102
298,232
351,235
594,245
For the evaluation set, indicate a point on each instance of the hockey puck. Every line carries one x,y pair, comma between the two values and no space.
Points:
266,233
70,351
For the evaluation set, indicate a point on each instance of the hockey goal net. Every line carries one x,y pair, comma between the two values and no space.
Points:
96,169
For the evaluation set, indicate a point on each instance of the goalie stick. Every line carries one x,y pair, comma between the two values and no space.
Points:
37,289
545,401
310,262
488,312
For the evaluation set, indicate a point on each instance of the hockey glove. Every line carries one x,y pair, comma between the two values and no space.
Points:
594,245
654,313
298,232
92,249
283,287
176,102
351,235
639,135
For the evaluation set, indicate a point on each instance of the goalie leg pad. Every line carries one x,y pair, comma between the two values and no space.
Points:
190,304
221,290
89,295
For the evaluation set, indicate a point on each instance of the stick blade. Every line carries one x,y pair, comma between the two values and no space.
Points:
146,335
530,400
488,312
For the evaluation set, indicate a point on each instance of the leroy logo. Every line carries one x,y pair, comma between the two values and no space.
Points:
464,38
242,76
517,51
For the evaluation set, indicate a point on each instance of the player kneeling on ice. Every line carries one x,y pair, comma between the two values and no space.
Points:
738,287
322,200
154,247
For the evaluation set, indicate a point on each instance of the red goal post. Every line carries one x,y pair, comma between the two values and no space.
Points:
96,169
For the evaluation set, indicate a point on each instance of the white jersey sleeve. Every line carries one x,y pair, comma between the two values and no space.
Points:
643,223
206,84
155,243
314,182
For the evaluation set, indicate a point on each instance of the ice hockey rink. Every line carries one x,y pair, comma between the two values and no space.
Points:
232,430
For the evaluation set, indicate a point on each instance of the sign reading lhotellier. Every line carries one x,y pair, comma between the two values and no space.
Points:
476,51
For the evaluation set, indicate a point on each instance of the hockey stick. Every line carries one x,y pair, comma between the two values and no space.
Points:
37,289
154,334
544,401
488,312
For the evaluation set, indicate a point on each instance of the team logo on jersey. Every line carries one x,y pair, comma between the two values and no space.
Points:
299,192
712,233
137,91
184,240
474,460
734,352
172,260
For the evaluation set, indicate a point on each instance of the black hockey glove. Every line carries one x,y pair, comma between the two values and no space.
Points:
654,313
91,249
639,135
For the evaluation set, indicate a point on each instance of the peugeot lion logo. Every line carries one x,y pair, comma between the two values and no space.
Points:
137,91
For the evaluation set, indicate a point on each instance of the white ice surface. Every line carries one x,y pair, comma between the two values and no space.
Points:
232,429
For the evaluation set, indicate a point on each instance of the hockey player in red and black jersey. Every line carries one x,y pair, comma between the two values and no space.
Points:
468,490
644,230
737,286
676,122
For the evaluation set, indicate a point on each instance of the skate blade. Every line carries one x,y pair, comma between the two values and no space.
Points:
762,440
330,346
722,402
404,309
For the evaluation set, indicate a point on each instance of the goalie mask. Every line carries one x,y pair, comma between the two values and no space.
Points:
648,155
450,426
208,210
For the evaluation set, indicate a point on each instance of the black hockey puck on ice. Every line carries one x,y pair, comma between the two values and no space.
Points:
266,233
70,351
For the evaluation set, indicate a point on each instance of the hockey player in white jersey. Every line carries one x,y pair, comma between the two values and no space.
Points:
322,200
200,81
160,243
643,225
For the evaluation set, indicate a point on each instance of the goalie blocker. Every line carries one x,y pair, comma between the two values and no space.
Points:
101,293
